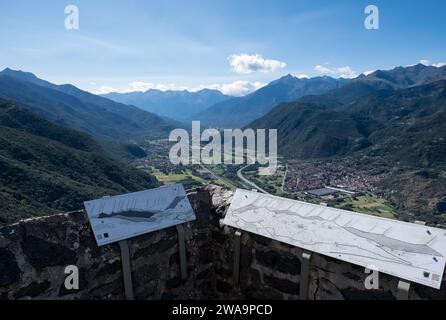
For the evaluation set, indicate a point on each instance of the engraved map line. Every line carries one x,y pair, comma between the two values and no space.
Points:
373,237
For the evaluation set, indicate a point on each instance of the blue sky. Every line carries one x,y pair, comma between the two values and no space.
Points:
124,45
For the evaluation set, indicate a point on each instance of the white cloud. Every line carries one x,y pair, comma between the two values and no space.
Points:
440,64
303,76
144,86
369,72
247,64
342,72
138,86
104,90
236,88
428,63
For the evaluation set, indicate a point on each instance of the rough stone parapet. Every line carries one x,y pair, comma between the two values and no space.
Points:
35,252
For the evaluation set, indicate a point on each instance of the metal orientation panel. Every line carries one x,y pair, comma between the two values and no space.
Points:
404,250
125,216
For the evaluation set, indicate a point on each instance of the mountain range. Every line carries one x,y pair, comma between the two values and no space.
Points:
71,107
404,125
47,168
404,77
50,158
240,111
177,105
214,109
393,121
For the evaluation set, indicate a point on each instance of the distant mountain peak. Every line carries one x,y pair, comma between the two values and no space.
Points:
19,73
175,104
420,66
288,76
209,91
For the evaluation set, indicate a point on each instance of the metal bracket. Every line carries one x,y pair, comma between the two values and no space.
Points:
236,267
305,275
182,251
126,269
403,290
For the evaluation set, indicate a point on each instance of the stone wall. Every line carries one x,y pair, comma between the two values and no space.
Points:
34,254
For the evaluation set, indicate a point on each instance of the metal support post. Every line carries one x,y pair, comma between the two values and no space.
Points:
126,269
182,250
236,268
305,275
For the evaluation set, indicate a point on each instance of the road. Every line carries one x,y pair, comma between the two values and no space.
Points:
223,180
246,181
284,178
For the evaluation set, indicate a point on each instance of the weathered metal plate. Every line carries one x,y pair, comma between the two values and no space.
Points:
404,250
126,216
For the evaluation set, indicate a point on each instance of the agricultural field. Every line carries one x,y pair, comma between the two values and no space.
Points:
186,177
273,184
365,204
